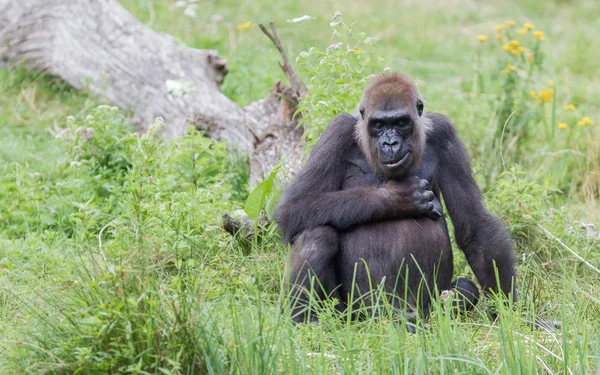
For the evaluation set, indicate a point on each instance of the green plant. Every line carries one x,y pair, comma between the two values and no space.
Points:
337,77
527,118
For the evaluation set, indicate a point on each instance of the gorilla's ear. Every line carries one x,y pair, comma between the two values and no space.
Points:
362,113
420,107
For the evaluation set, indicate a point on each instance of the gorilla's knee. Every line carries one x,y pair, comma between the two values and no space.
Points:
317,245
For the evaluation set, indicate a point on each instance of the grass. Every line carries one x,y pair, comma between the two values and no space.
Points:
112,259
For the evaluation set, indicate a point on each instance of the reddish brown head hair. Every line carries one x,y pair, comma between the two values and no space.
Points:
389,91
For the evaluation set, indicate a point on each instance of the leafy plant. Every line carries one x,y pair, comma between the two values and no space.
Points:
336,75
527,118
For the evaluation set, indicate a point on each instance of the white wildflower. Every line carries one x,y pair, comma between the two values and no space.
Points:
446,294
179,87
191,10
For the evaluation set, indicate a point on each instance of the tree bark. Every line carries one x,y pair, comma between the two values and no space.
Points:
97,45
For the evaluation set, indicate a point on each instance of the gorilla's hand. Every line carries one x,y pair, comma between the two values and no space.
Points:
436,213
411,197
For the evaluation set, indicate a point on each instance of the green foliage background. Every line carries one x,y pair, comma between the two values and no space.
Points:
112,257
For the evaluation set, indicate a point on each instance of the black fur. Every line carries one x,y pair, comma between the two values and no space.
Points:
340,219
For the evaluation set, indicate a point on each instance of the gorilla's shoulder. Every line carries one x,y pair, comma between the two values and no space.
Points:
441,130
341,128
343,122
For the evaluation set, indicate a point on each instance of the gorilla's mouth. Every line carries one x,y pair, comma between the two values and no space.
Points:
397,162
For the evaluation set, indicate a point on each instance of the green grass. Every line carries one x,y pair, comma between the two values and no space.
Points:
112,259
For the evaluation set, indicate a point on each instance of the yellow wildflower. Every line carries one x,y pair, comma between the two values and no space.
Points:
528,26
522,31
514,47
531,57
551,82
357,50
510,23
532,93
482,38
580,123
499,36
539,35
570,107
500,27
587,121
509,68
245,25
562,125
546,95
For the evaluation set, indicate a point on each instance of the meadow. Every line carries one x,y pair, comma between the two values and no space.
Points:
112,255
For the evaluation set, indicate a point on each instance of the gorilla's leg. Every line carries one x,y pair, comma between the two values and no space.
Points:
313,270
467,294
466,297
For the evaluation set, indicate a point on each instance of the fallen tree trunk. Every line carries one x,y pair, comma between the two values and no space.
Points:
97,45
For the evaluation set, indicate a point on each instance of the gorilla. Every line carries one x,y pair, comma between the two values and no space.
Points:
365,211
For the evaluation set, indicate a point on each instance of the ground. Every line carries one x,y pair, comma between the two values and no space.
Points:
112,258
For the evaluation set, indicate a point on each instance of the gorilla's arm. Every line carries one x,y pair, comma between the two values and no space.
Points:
315,197
481,236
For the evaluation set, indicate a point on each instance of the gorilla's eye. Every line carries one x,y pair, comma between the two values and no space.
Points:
404,127
377,125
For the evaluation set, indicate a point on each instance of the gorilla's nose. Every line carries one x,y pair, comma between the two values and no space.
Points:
390,147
